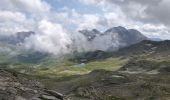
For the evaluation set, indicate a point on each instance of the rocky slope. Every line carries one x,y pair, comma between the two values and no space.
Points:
148,49
108,85
15,86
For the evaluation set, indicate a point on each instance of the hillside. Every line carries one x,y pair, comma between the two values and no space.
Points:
16,86
146,48
145,76
140,70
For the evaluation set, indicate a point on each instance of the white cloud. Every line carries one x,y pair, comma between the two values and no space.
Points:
155,30
12,22
21,15
90,1
88,22
12,16
70,17
33,6
7,5
51,26
136,13
51,38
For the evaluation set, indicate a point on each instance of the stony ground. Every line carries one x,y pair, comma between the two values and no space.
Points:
97,85
15,86
122,86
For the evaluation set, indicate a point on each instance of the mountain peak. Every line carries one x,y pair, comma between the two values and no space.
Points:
120,28
19,37
87,30
115,37
90,34
116,29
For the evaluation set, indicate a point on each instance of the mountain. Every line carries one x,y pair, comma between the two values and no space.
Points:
113,38
90,34
147,48
18,37
110,40
101,42
146,57
127,36
155,39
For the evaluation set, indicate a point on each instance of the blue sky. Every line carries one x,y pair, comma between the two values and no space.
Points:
73,4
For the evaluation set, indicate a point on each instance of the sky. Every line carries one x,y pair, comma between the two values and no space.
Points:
151,17
58,19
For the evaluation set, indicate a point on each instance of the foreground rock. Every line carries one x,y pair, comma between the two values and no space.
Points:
15,86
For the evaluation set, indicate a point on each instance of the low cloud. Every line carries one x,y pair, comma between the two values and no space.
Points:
50,38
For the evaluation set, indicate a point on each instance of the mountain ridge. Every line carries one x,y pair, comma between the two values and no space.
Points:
113,38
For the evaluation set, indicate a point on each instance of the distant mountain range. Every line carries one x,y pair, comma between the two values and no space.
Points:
113,38
155,39
108,41
17,38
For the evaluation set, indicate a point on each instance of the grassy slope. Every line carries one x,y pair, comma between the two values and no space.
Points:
68,68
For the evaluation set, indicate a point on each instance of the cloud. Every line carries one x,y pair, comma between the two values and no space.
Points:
70,17
51,38
7,5
152,31
134,13
91,1
160,12
88,22
33,6
12,16
21,15
12,22
56,28
146,11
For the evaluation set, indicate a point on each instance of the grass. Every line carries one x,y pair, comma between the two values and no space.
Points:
68,68
57,69
52,67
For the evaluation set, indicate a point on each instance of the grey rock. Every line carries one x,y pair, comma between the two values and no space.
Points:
47,97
